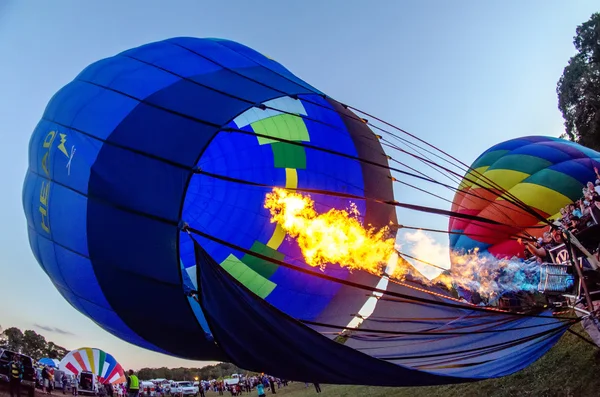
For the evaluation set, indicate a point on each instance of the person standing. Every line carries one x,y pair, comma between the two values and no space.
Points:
45,380
16,375
272,384
63,381
74,385
51,379
260,389
133,384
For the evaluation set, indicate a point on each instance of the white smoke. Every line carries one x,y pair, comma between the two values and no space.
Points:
427,249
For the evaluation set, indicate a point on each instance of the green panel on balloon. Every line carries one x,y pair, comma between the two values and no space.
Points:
562,183
260,266
522,163
287,155
488,158
245,275
284,126
101,361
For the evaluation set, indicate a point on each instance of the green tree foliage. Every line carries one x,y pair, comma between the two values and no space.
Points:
55,351
221,370
34,344
31,343
579,86
14,338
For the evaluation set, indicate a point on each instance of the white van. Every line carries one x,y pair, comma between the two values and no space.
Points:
87,383
147,389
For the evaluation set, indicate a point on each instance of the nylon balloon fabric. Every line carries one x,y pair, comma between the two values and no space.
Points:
414,337
536,173
187,136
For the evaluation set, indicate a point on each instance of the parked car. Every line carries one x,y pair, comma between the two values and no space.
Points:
231,381
184,388
28,381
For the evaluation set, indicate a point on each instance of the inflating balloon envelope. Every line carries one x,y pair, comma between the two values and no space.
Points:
147,195
96,361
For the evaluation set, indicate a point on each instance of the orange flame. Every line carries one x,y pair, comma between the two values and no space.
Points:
336,236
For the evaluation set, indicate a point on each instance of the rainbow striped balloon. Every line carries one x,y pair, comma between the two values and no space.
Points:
104,365
542,172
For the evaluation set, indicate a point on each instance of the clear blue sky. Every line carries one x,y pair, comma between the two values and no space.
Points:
463,75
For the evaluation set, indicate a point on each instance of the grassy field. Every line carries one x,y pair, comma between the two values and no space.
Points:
571,368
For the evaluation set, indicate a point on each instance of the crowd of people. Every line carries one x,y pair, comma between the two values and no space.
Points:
246,385
47,379
261,384
576,217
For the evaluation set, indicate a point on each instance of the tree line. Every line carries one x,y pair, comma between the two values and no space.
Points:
578,88
31,344
217,371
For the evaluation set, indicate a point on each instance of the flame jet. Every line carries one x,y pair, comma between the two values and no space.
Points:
336,236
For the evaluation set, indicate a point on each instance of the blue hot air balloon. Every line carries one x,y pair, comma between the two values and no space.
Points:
150,138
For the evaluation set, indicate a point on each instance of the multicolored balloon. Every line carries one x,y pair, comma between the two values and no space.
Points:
100,363
543,173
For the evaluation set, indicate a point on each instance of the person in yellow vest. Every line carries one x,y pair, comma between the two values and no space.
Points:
133,384
16,370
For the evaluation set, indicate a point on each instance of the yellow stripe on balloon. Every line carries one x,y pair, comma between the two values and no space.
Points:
90,355
554,217
547,200
291,182
473,175
505,179
558,215
277,237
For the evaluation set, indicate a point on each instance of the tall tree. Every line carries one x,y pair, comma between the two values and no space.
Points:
31,343
14,339
34,344
579,86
